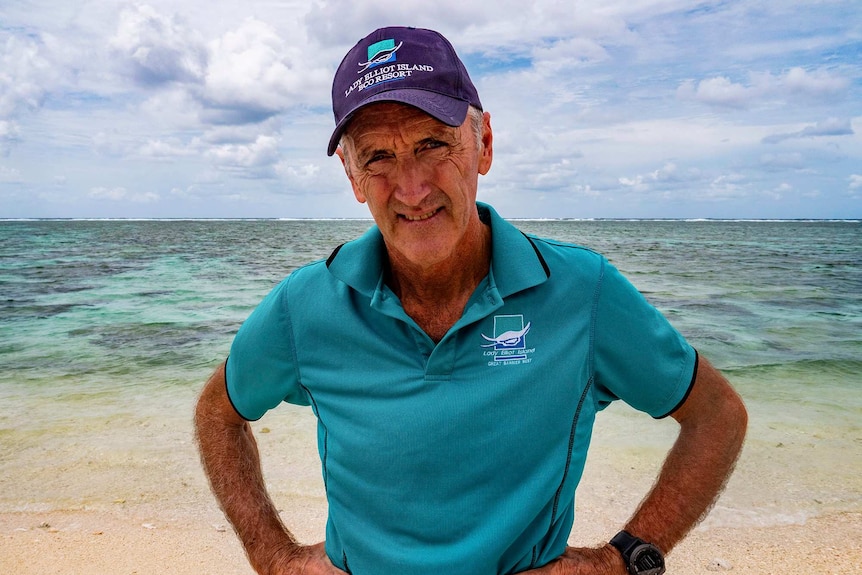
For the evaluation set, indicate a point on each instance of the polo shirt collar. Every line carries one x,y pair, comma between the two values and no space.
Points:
516,263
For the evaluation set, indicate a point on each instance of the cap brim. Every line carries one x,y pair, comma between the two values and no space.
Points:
450,111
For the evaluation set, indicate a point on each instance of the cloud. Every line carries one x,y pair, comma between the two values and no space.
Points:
816,83
119,194
157,49
261,153
720,91
8,134
9,175
167,148
829,127
247,75
726,187
344,22
254,74
667,174
855,181
26,76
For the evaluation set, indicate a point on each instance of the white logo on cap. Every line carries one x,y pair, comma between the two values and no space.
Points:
379,57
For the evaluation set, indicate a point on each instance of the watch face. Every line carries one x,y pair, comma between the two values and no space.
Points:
647,560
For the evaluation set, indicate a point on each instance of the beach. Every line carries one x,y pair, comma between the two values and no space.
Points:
166,522
98,543
109,330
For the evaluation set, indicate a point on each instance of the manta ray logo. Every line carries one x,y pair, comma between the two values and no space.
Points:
380,53
509,342
511,339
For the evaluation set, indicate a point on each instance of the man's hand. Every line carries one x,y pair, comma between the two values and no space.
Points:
305,560
584,561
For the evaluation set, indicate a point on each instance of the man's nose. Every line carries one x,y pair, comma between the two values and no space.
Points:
411,183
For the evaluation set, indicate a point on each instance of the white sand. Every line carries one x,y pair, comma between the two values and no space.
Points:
133,500
129,542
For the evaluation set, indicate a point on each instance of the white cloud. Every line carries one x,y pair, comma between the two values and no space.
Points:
260,153
25,74
718,91
816,83
246,75
9,132
669,175
726,187
253,74
113,194
722,92
120,193
158,49
111,143
855,182
779,191
166,148
9,175
346,21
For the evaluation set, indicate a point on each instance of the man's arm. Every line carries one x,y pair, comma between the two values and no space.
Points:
231,461
712,422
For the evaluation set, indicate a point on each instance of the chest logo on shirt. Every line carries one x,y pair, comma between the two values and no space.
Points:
508,345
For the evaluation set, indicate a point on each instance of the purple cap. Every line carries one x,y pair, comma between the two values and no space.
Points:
408,65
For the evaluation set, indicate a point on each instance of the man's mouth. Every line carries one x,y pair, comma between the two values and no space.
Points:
420,217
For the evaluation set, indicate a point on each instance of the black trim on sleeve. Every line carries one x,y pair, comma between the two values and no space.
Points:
688,391
227,393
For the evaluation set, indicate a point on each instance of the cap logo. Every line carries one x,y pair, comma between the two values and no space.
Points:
380,53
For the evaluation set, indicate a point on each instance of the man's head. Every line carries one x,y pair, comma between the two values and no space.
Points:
413,146
408,65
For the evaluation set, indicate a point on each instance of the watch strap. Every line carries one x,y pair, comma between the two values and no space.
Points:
629,545
625,542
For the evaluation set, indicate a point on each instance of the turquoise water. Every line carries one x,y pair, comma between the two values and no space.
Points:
108,329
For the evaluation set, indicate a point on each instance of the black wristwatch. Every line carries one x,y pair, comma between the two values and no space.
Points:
641,558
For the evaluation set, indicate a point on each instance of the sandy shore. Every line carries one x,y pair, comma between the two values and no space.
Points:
132,500
134,541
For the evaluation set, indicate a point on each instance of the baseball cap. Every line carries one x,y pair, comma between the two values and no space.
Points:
399,64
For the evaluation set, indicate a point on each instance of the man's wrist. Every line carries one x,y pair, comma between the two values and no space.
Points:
639,557
613,560
287,559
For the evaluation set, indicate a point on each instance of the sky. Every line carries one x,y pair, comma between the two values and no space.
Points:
600,108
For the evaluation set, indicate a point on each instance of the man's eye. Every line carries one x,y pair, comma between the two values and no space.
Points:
433,145
375,158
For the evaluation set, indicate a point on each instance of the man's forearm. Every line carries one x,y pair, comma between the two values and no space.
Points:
230,458
713,422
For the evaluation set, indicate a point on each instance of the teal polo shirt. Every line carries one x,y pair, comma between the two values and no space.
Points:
459,457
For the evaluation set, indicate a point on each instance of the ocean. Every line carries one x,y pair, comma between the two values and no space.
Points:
108,329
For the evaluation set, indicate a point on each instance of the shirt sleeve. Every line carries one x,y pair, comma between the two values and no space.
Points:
639,356
261,368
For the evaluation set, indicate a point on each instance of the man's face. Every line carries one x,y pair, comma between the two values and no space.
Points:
418,177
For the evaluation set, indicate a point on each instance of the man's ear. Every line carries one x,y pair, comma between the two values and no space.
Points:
360,197
487,151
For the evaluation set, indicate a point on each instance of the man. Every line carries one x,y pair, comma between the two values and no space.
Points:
455,365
